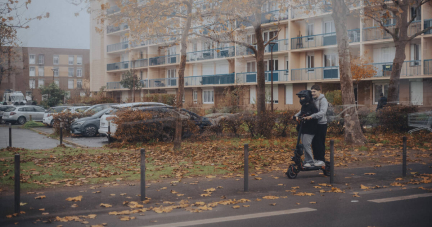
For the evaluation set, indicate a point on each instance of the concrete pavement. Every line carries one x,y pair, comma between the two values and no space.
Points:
94,142
24,138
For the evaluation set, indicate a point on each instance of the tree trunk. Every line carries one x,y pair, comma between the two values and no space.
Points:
398,61
353,133
180,92
260,102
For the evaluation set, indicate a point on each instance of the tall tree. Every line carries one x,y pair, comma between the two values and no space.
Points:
131,82
404,12
340,12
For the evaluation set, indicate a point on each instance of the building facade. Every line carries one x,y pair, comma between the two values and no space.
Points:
36,67
305,53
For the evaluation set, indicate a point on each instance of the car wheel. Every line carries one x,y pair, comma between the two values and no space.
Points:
90,131
52,123
21,120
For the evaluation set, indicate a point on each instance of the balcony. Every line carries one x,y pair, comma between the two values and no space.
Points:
135,44
428,67
210,79
113,9
427,24
162,60
312,41
112,29
162,82
210,54
251,77
114,85
118,66
117,47
304,11
409,68
281,45
140,63
266,17
377,33
319,73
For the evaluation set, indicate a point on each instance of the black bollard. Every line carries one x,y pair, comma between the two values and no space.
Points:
143,196
331,161
404,157
17,184
246,167
61,135
10,135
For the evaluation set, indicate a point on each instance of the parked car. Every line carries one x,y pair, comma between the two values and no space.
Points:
49,114
201,122
88,126
108,116
98,107
2,109
76,109
22,114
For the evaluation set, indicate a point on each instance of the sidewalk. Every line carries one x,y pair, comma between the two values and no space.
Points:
25,138
347,181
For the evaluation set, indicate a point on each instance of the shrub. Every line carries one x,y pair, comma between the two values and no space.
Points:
233,124
394,118
334,97
284,121
168,99
260,127
65,120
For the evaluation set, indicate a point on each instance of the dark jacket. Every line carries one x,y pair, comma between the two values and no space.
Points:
309,126
381,103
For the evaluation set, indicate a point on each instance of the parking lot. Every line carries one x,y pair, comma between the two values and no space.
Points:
96,141
25,138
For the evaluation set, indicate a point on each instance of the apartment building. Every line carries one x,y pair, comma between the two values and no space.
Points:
68,68
305,53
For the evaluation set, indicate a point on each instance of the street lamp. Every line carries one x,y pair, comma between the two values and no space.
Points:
271,73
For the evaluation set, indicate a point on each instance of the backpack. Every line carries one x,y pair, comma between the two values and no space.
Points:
330,114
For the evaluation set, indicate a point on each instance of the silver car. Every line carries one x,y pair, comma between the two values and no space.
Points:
22,114
2,109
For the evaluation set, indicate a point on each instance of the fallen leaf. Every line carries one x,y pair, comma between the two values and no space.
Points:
40,197
42,209
363,187
236,207
105,205
273,204
74,205
74,199
46,213
270,197
246,205
312,202
369,173
23,204
258,178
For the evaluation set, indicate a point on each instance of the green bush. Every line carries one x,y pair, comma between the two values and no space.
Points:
334,97
394,118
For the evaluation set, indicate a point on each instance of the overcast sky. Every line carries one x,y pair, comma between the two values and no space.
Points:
61,30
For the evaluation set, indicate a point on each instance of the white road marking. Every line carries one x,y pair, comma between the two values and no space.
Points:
236,218
398,198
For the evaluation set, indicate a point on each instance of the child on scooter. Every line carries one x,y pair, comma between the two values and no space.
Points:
309,127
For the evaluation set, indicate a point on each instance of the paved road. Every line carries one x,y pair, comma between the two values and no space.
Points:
83,141
24,138
391,206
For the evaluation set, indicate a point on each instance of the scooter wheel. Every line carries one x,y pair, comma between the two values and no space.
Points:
291,173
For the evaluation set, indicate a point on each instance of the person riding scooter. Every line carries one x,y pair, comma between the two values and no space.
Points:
309,127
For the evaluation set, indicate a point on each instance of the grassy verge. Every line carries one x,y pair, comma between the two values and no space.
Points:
33,124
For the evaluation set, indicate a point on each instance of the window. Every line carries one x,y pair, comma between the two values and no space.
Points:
71,72
330,60
381,88
79,60
71,59
41,71
310,31
70,84
32,84
57,82
329,27
79,72
41,58
171,74
41,82
67,95
171,50
310,62
415,14
267,65
415,54
251,39
208,96
194,47
56,71
251,66
82,93
79,84
32,71
275,94
55,59
32,59
195,96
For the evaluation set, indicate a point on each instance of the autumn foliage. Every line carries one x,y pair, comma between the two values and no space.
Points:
65,120
361,68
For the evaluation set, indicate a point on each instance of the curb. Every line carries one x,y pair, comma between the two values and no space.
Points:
64,140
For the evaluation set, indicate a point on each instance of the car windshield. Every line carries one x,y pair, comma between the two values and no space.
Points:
9,109
100,113
3,108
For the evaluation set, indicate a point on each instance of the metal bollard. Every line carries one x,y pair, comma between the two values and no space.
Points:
143,196
404,157
30,117
61,135
246,167
331,161
10,135
109,132
17,184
